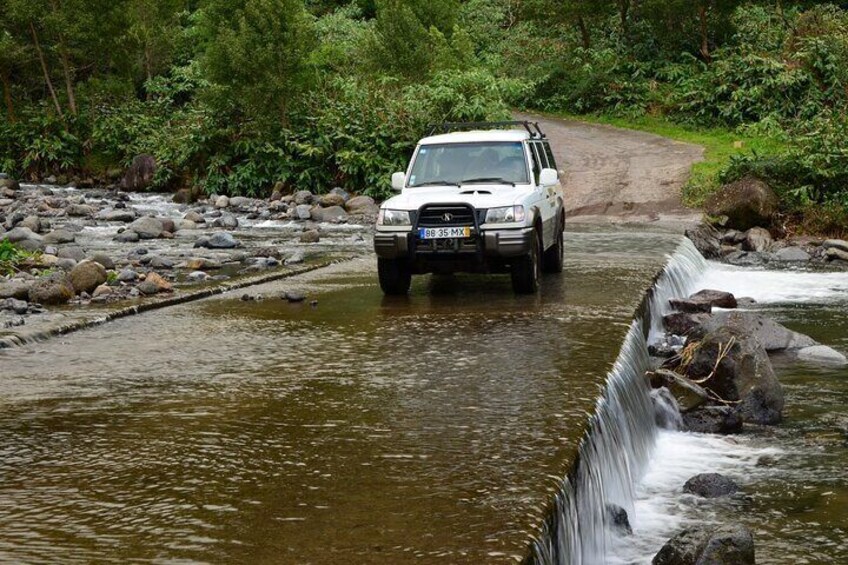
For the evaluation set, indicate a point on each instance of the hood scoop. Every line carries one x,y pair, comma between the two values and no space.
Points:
476,191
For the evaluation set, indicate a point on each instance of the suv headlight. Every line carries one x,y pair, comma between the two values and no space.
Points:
505,215
393,218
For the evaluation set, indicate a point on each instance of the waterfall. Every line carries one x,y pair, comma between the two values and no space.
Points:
621,434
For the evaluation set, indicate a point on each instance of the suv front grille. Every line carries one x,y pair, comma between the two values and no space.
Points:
446,216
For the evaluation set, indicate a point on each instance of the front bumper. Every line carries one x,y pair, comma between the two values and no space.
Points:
504,243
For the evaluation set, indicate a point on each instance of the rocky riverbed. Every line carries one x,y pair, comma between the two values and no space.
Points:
102,247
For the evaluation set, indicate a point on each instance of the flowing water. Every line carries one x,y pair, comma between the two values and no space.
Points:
433,429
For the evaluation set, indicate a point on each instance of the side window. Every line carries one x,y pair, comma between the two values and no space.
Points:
534,158
550,155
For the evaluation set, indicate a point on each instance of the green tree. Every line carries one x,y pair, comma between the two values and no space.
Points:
256,54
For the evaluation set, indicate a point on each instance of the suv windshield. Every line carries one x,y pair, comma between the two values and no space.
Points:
455,163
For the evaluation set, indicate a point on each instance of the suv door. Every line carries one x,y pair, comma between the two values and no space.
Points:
548,206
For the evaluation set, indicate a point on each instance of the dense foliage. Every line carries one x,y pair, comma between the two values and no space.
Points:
235,96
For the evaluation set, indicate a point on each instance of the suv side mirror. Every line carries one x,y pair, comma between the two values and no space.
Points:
398,180
548,177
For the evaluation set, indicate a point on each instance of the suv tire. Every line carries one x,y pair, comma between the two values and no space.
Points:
395,276
527,271
554,259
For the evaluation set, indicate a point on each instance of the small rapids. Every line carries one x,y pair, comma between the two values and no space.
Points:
633,455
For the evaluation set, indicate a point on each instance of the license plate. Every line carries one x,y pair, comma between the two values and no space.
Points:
443,233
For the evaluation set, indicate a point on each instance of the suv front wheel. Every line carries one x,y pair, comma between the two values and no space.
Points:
527,271
395,276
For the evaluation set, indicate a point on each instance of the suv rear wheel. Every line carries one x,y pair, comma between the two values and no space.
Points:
527,271
395,276
554,257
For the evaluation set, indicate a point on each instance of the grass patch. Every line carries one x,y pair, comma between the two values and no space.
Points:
720,146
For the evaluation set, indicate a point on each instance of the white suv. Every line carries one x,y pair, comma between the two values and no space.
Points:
487,200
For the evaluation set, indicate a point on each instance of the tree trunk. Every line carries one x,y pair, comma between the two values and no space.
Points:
66,67
705,38
584,32
44,70
7,97
623,11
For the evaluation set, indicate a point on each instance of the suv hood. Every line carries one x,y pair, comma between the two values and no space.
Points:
477,195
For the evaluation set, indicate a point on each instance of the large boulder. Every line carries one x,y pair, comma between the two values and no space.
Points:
124,215
140,174
747,203
709,545
737,369
710,485
331,199
362,205
14,289
714,298
147,227
757,239
713,420
21,234
87,276
683,323
54,289
59,236
822,355
706,239
771,335
332,214
792,255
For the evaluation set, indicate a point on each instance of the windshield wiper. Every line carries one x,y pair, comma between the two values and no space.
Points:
437,182
498,180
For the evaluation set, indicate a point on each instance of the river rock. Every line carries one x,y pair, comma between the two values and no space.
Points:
744,374
683,323
197,276
19,307
9,184
294,296
15,288
713,420
691,306
709,545
127,276
102,291
705,238
295,259
617,520
362,206
59,236
223,240
310,236
757,239
194,216
20,234
74,252
104,260
125,215
747,203
127,236
153,284
31,222
331,199
240,201
303,212
80,210
747,258
715,298
771,335
710,485
840,244
227,221
54,289
139,175
147,227
161,263
202,264
821,354
303,197
222,202
333,214
835,253
792,255
86,276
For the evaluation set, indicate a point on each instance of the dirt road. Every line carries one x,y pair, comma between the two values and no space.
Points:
618,173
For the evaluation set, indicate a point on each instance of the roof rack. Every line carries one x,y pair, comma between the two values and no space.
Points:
446,127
